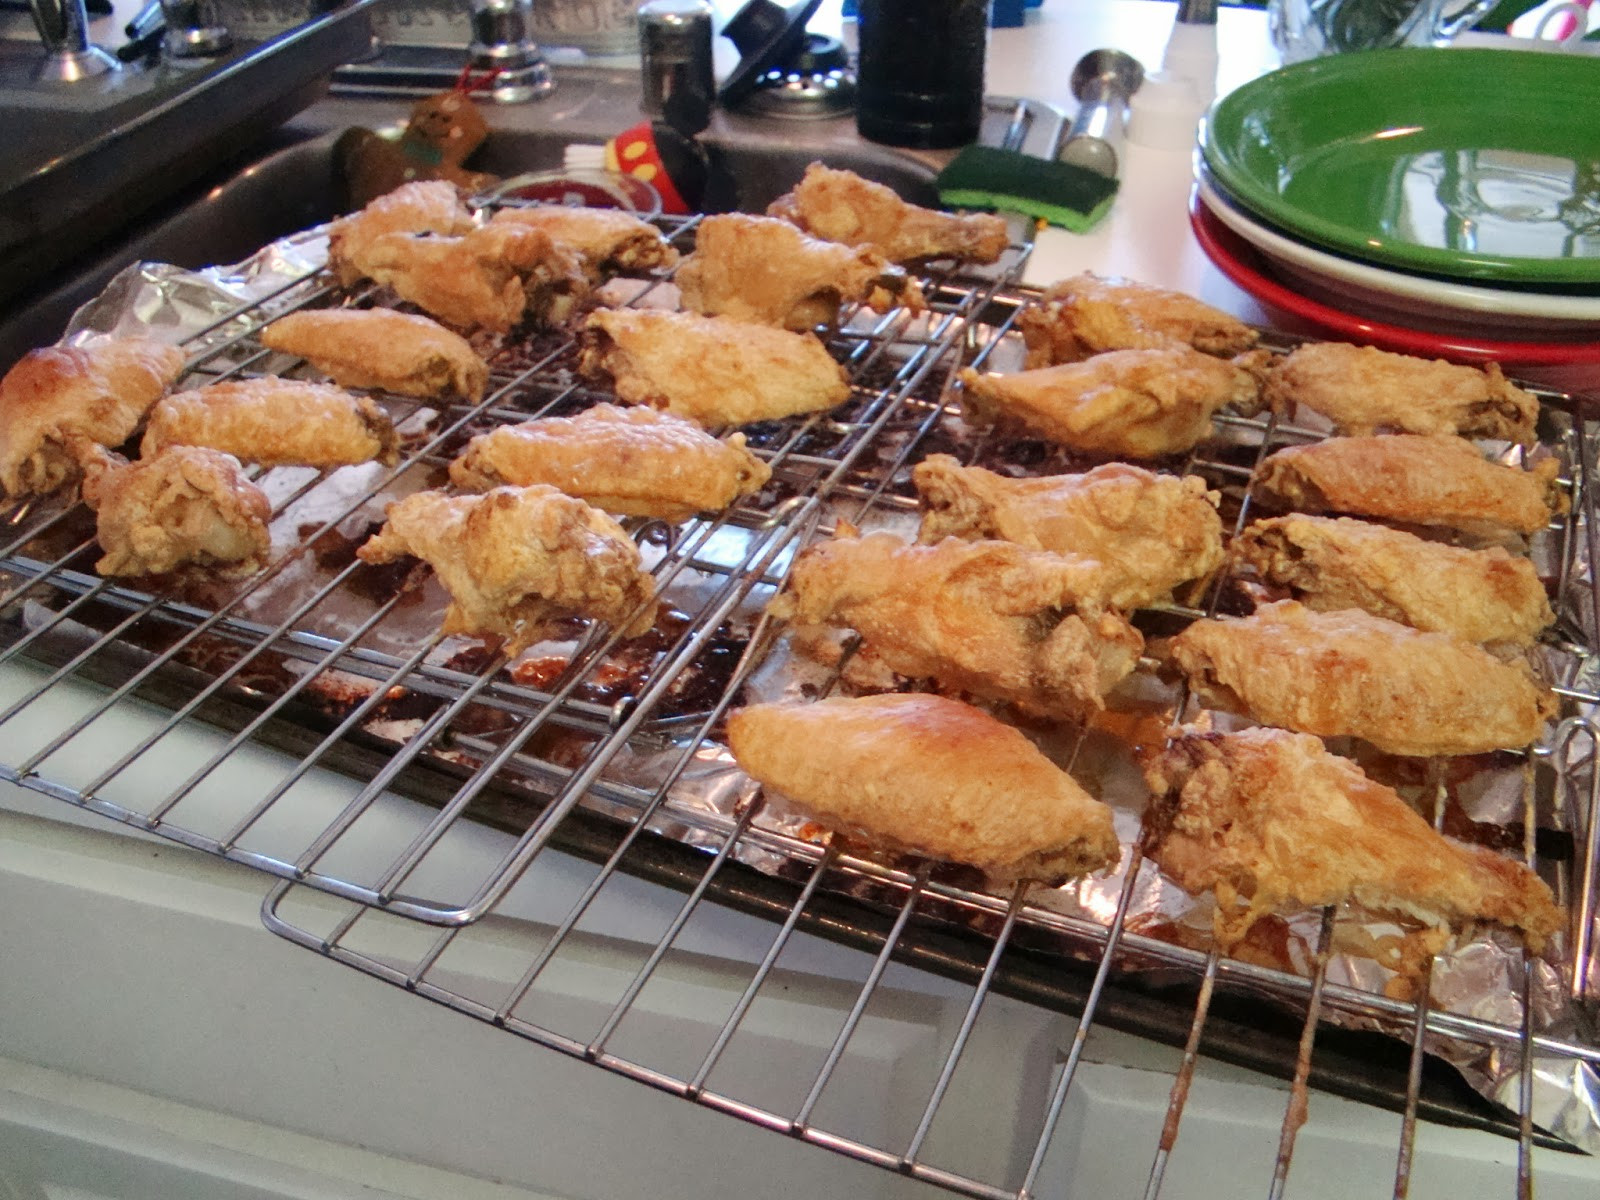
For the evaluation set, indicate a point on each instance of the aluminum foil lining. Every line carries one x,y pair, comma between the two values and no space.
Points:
1480,977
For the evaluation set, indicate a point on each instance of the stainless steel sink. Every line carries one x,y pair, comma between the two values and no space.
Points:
290,180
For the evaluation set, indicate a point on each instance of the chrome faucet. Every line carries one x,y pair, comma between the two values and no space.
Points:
63,25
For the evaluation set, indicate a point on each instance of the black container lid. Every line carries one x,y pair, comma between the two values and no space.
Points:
767,35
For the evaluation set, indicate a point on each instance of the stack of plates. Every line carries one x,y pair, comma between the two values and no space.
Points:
1435,202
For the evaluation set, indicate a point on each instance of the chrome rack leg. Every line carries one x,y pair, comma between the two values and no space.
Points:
1295,1115
1185,1077
1070,1067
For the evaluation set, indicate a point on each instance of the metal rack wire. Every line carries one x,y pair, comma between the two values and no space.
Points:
422,787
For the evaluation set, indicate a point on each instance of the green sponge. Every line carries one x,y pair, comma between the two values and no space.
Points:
1063,194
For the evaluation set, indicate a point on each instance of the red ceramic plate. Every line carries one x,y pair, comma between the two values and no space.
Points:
1243,264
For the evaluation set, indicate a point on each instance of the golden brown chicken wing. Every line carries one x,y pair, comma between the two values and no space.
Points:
1091,313
432,206
989,619
515,559
1364,390
712,370
765,270
491,278
274,422
380,348
187,506
1274,818
606,240
1139,403
840,206
1350,674
1331,564
625,460
1437,481
61,399
1149,532
931,776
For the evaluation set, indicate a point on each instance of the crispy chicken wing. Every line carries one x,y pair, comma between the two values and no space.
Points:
1331,564
1437,481
491,278
1149,532
606,240
514,559
931,776
433,206
1141,403
989,619
840,206
380,348
61,399
1274,818
1351,674
765,270
189,505
625,460
274,422
1090,313
1364,390
713,370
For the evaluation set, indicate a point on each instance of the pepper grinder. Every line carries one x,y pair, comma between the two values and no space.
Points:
675,57
920,78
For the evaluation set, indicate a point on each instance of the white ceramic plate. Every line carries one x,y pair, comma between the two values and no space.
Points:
1397,296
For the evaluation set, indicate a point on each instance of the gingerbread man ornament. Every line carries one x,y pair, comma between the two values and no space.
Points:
442,133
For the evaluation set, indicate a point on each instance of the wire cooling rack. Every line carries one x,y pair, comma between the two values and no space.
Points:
407,789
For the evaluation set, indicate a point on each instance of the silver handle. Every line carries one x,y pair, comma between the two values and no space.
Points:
1102,82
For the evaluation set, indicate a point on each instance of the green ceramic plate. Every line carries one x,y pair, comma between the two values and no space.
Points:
1477,164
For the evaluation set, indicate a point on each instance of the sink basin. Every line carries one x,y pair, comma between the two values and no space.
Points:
289,181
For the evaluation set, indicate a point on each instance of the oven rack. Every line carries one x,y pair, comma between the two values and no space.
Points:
431,801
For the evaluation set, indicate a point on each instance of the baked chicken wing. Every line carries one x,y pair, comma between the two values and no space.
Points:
1417,480
515,559
1351,674
1090,313
931,776
61,399
1330,564
1148,532
988,619
1364,390
625,460
431,206
607,240
492,278
1275,819
274,422
1139,403
187,506
765,270
380,348
712,370
840,206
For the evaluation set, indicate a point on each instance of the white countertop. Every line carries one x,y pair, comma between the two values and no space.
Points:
1146,236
